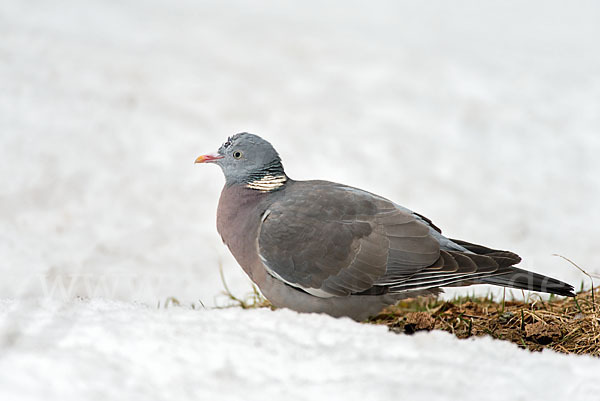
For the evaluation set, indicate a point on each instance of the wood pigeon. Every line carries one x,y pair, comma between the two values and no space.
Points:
319,246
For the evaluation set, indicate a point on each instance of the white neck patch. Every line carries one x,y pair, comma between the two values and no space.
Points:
267,183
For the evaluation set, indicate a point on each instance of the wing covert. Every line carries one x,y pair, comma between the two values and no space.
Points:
335,240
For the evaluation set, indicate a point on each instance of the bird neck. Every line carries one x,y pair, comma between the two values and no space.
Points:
267,183
270,178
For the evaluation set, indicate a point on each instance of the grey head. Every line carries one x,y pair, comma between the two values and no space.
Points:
248,159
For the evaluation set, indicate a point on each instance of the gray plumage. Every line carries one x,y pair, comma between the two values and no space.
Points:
319,246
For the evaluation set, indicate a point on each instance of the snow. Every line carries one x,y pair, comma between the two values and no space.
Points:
490,132
98,350
481,116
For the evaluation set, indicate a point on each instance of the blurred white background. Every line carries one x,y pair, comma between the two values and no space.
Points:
483,116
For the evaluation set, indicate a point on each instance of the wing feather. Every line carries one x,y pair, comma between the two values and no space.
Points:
333,240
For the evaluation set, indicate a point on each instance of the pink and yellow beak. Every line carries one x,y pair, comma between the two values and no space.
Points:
208,158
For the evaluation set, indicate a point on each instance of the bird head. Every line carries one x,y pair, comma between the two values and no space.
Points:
245,158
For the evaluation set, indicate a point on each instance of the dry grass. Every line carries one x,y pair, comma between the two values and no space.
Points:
568,325
253,300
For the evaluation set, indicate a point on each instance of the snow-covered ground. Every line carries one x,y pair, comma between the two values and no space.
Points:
107,350
483,116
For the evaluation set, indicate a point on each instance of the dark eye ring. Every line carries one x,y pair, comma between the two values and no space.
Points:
237,154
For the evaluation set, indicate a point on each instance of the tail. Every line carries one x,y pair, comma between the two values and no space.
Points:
513,277
526,280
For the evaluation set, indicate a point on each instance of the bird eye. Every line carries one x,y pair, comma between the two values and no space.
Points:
237,154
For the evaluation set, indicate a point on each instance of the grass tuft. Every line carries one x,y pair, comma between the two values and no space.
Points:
567,325
252,300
